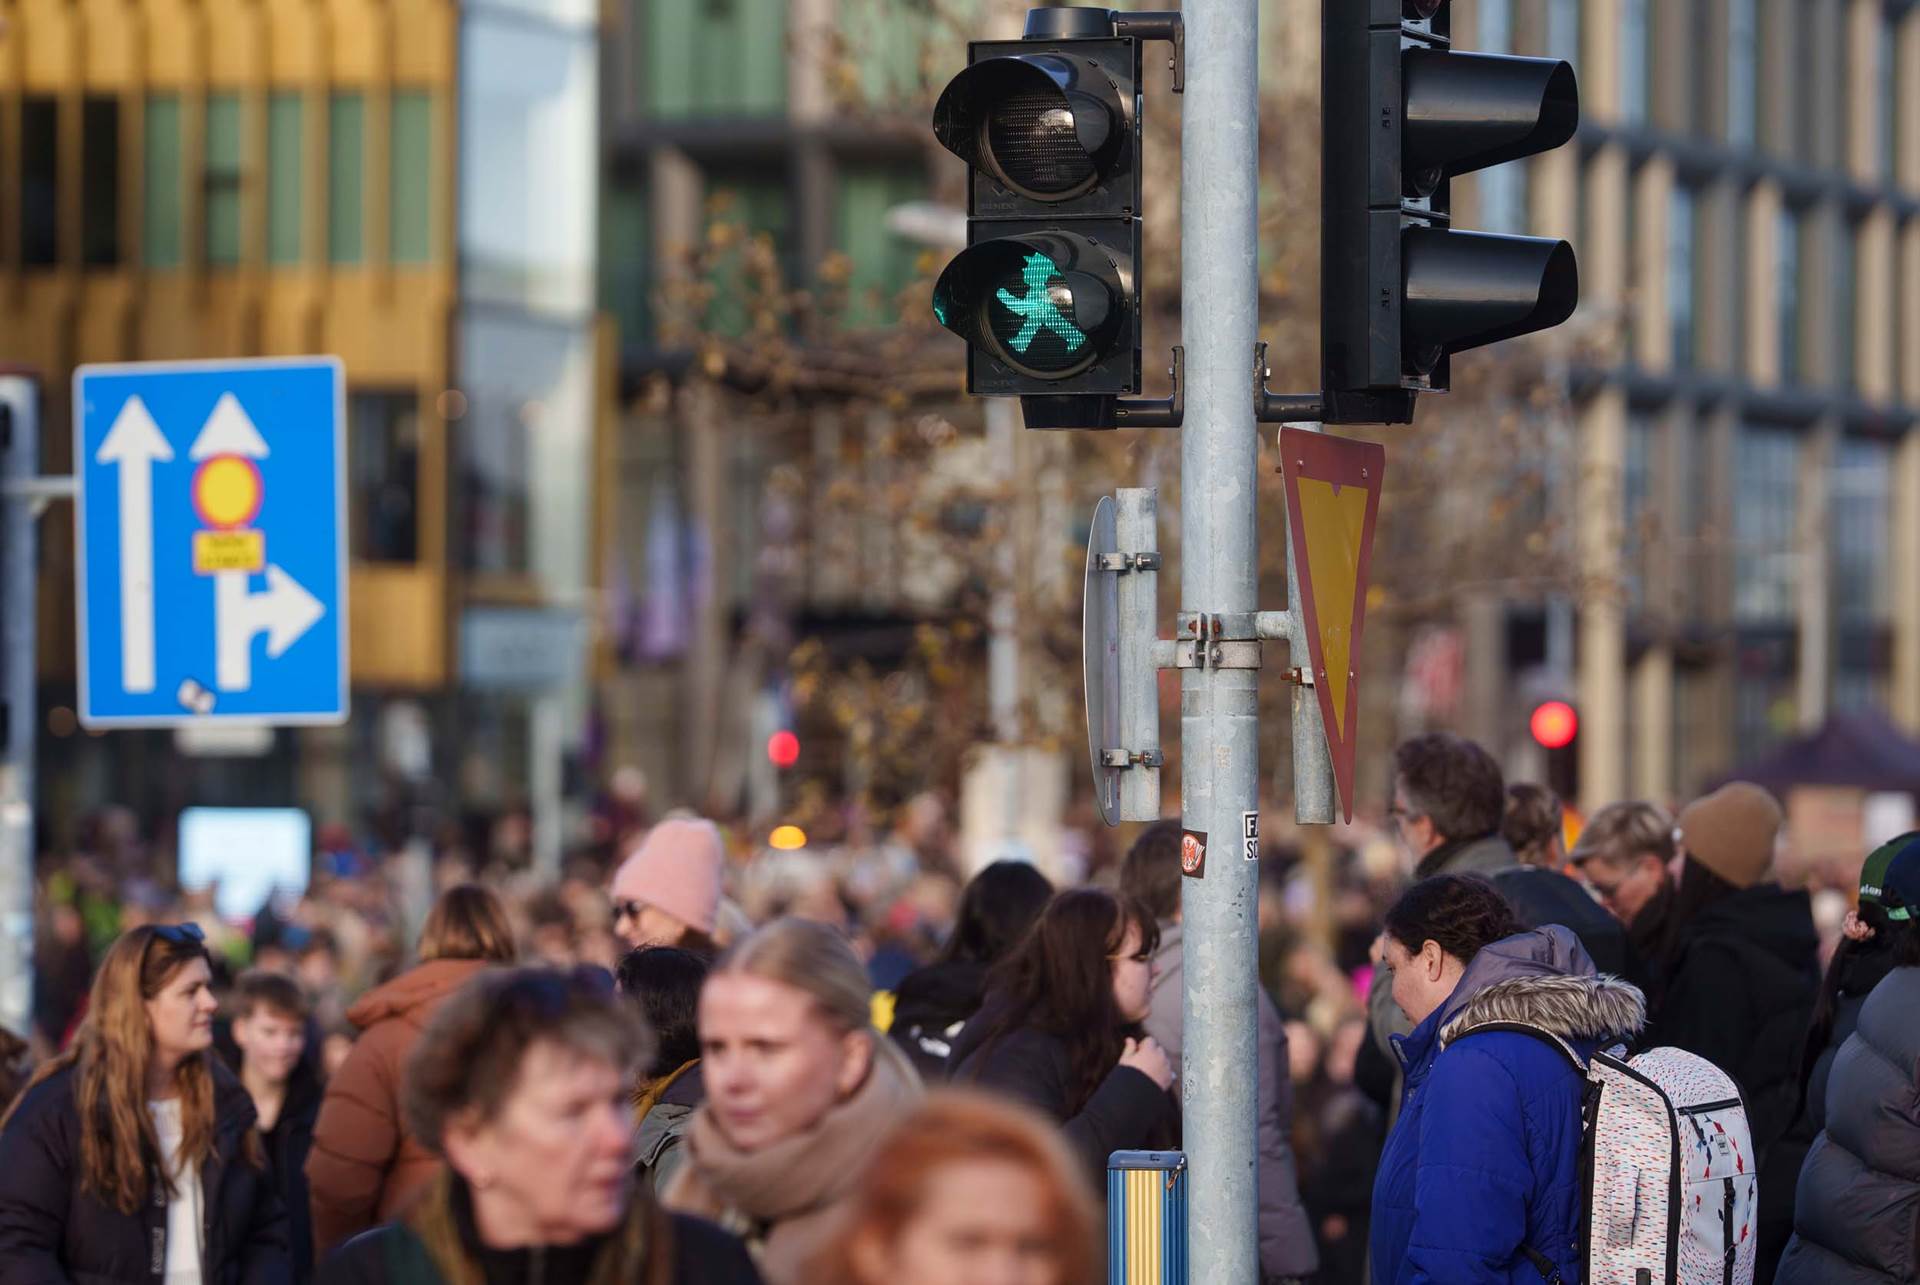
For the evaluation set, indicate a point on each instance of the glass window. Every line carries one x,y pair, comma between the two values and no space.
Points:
1496,26
346,177
884,41
626,258
1787,255
1743,58
383,450
222,178
1634,80
1846,270
1766,561
286,166
716,58
100,182
1563,31
410,185
39,181
1680,274
757,206
1638,513
883,264
1860,526
161,208
1764,689
1503,198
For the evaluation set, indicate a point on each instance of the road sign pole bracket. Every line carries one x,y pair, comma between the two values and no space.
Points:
1159,24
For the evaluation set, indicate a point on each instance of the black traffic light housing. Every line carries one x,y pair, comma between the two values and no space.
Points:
1401,291
1047,292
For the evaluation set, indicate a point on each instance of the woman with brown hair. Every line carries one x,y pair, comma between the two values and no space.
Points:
364,1163
132,1156
966,1190
800,1091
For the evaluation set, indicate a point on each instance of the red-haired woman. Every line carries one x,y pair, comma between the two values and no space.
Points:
133,1156
967,1190
1061,1028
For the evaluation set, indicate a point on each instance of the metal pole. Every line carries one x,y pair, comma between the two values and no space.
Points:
20,398
1219,719
1136,529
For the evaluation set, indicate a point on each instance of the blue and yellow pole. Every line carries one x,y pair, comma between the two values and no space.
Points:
1147,1218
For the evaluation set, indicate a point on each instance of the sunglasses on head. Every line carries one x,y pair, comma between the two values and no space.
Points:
180,934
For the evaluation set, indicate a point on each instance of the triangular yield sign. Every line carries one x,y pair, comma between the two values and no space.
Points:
1333,499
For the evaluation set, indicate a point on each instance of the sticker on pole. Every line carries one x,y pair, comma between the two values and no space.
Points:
1193,853
1250,835
1333,500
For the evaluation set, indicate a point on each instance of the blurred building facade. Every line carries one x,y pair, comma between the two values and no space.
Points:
1743,196
409,186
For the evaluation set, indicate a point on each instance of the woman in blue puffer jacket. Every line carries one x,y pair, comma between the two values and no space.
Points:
1479,1183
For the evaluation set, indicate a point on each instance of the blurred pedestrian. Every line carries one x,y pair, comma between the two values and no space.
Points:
1857,1207
1347,1130
1062,1029
132,1156
364,1162
933,1004
967,1190
800,1091
1150,876
1534,826
1625,854
663,983
1742,970
270,1027
667,893
1480,1180
519,1082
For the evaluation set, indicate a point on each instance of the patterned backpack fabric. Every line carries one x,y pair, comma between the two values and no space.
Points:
1671,1193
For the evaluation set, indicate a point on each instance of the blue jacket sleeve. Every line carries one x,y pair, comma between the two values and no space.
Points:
1474,1177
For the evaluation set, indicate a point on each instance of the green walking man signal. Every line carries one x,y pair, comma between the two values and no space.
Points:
1037,309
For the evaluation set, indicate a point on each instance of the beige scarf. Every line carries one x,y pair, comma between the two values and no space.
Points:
786,1197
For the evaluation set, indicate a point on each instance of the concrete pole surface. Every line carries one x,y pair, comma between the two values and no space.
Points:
18,570
1219,708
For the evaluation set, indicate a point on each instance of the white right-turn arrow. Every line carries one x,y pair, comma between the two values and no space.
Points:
134,443
284,611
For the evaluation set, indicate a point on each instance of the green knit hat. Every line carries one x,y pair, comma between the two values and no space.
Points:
1874,880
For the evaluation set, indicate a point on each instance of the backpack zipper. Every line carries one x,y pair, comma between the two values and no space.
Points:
1704,1107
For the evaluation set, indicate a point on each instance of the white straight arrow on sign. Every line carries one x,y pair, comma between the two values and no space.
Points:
228,431
134,443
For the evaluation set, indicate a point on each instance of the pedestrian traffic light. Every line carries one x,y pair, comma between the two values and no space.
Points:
1047,292
1401,289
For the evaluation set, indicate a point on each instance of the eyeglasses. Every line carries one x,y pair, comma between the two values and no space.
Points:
628,908
180,934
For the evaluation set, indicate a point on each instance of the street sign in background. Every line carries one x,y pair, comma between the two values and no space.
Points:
211,531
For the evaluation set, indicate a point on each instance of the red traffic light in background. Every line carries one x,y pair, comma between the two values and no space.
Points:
1554,724
783,749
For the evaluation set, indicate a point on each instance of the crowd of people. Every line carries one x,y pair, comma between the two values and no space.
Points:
855,1068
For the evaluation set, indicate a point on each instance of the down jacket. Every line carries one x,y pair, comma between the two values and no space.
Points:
1856,1214
1484,1161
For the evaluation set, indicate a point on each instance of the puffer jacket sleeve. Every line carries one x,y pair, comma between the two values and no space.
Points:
1474,1176
35,1187
355,1141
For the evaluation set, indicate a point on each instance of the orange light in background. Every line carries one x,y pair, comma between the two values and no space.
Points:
1554,724
783,749
787,838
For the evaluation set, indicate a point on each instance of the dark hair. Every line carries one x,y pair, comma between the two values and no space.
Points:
468,922
1461,913
469,1056
1150,872
258,988
1453,782
1533,816
996,911
1855,967
664,982
1060,981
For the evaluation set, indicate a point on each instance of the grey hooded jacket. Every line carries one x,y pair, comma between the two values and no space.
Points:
1287,1246
1856,1215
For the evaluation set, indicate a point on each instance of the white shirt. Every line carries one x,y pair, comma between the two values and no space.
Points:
184,1218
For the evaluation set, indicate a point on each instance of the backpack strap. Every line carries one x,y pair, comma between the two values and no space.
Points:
1537,1032
1544,1265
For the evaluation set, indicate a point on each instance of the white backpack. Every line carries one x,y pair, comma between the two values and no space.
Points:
1667,1168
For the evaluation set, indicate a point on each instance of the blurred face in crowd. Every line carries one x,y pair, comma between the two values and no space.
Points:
980,1222
1413,829
270,1041
1422,979
638,924
1624,883
551,1168
180,1017
774,1062
1132,977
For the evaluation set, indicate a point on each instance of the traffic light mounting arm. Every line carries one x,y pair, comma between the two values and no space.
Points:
1158,24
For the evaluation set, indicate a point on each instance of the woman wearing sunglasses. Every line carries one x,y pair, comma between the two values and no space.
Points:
133,1156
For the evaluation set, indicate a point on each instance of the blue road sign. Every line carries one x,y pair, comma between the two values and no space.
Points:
212,542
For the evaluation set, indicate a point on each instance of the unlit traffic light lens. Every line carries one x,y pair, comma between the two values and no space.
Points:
1032,140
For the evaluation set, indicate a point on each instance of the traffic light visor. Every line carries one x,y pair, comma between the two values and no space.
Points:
1044,126
1466,289
1467,111
1046,305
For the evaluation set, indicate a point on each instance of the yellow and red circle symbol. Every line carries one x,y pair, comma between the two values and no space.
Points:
227,492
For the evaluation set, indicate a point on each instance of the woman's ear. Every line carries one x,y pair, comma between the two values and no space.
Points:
856,1059
465,1143
1432,959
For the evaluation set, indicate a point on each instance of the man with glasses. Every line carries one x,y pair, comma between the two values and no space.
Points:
1626,854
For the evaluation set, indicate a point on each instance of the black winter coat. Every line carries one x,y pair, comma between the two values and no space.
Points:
930,1009
1857,1209
51,1232
1127,1112
287,1144
1541,897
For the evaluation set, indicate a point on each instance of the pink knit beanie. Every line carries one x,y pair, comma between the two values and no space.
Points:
677,869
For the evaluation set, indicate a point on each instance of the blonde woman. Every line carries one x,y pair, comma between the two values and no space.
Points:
133,1155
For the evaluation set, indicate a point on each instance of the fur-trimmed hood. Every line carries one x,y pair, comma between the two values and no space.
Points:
1596,1008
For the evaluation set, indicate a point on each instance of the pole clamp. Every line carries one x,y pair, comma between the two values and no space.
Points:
1132,758
1122,563
1239,653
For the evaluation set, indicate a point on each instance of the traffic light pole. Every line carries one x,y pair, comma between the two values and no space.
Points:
1219,706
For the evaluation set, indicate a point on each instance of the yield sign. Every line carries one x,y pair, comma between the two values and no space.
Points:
1333,498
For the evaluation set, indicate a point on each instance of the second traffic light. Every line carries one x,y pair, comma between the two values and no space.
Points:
1401,291
1047,292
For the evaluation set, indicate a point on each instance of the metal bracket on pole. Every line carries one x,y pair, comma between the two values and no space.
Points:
1158,24
39,492
1157,412
1122,563
1275,408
